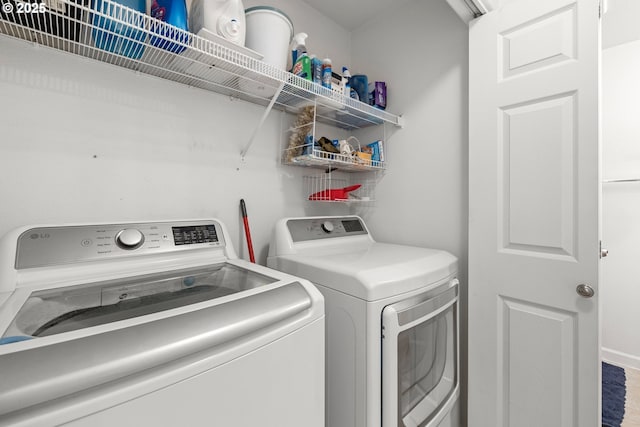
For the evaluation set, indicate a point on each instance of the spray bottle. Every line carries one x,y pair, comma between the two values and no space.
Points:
297,47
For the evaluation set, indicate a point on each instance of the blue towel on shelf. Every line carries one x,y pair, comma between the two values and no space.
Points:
613,395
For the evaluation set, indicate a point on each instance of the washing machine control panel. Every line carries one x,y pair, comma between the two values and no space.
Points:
47,246
302,229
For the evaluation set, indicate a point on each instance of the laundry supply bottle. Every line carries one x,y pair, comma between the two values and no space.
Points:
212,19
316,69
173,12
326,73
122,35
303,67
359,84
344,82
297,48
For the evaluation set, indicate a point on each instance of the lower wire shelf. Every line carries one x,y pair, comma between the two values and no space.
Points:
326,187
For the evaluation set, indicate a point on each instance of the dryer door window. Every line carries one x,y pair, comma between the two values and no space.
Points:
420,360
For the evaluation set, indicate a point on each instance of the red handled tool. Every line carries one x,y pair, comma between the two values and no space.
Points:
247,232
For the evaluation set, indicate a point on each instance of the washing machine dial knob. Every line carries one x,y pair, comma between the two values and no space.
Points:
327,226
129,238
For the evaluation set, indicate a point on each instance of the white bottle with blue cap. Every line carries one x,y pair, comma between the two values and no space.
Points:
344,83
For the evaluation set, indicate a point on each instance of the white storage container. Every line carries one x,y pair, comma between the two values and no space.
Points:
269,32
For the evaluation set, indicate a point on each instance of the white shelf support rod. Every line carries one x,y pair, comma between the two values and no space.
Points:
262,120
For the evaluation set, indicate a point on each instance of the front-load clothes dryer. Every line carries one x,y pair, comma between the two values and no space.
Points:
154,324
391,322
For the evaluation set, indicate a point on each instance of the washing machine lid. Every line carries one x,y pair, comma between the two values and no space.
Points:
52,311
54,368
374,271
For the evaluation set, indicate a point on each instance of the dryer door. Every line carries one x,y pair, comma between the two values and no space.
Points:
420,358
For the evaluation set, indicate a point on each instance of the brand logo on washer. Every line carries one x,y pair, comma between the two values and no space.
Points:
40,236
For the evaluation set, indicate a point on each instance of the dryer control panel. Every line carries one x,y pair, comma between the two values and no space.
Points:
46,246
302,229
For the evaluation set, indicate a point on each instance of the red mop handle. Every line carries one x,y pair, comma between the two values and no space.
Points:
247,232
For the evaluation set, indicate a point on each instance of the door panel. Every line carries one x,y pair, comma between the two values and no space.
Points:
555,403
541,42
536,143
534,215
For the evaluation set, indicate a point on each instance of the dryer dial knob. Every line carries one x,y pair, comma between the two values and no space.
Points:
129,238
327,226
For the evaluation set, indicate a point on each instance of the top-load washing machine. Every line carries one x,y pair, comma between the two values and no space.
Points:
154,324
391,322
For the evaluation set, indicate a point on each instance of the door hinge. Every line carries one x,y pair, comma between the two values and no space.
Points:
600,9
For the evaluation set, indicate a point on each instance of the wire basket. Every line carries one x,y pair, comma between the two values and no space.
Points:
351,159
326,187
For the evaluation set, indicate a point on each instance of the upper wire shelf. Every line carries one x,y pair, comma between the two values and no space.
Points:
109,32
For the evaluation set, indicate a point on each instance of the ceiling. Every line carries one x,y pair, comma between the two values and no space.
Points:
354,13
619,25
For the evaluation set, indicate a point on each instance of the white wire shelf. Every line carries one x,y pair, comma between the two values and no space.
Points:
136,41
325,160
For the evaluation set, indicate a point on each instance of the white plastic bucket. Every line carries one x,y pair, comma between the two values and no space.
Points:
269,32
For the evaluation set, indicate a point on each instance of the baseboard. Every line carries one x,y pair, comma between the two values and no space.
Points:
620,359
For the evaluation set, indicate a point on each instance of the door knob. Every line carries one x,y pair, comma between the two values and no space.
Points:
585,290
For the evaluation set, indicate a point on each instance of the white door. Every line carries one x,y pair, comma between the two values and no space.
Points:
534,215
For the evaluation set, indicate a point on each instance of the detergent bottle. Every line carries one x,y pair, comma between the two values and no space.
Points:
173,12
218,18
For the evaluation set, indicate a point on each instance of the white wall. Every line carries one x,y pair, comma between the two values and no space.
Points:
326,38
88,142
85,141
620,22
621,205
421,51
